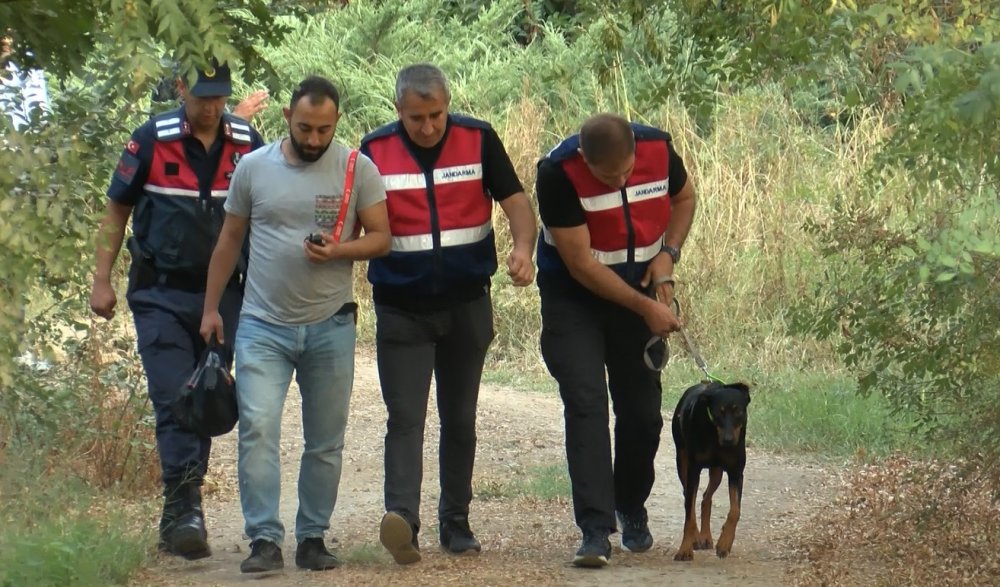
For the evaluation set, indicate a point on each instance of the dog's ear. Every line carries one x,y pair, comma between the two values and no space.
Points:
744,388
698,403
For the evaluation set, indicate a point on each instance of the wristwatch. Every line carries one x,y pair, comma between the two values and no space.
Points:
674,253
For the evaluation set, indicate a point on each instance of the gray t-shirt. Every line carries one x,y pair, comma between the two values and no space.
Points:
285,203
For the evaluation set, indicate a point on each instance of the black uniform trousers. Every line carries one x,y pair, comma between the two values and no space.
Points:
582,335
167,322
451,343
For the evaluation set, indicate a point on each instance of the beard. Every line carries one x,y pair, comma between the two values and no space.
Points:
305,153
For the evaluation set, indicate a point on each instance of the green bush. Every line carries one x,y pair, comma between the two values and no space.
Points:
912,302
58,530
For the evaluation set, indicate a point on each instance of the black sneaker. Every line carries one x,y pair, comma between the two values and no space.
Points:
457,537
635,532
264,556
186,536
312,554
595,551
398,537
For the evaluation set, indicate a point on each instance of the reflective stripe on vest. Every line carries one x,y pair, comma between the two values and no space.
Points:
642,254
449,238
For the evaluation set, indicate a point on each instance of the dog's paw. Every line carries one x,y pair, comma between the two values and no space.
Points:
684,555
725,544
703,543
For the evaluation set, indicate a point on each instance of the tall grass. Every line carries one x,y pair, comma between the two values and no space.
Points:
764,168
60,530
76,449
761,170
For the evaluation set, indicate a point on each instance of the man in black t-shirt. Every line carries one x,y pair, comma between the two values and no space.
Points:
616,206
434,314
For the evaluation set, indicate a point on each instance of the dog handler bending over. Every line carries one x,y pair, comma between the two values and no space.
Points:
616,206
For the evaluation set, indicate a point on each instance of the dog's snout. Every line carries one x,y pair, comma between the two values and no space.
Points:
729,436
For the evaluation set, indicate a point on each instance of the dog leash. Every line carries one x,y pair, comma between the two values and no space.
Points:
692,348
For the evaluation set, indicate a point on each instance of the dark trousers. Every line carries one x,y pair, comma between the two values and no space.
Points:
166,325
581,336
451,344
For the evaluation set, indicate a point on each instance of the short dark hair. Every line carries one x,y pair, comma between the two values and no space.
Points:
606,138
317,88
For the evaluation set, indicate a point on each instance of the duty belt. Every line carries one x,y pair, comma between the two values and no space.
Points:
190,282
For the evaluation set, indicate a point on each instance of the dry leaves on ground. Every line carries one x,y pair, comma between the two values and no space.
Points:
906,522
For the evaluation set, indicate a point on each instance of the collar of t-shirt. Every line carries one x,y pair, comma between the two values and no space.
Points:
426,156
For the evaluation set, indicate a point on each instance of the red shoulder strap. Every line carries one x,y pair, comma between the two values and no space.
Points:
348,186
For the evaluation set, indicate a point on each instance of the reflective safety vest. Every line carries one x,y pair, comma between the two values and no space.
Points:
626,225
175,221
441,219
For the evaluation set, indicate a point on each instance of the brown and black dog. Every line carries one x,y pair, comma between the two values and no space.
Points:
709,428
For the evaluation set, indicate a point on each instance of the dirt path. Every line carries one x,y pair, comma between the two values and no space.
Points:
524,538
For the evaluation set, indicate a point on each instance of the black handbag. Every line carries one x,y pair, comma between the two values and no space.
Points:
207,402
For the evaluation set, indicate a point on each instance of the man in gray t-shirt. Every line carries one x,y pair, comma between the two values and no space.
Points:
284,203
298,314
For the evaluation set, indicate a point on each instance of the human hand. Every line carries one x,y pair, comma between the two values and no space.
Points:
211,323
660,273
103,298
520,268
252,104
660,318
321,253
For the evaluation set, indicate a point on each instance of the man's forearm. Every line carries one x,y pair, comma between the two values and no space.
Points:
681,217
110,235
604,282
370,245
523,228
220,270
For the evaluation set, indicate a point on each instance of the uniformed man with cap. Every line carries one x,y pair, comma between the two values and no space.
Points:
172,179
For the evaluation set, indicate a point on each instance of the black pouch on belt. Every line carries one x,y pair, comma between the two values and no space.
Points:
348,308
141,273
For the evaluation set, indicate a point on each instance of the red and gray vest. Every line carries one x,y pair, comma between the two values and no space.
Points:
626,225
441,219
176,222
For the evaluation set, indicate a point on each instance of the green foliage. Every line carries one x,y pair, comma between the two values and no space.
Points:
51,535
53,175
60,36
915,287
56,35
597,60
70,400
